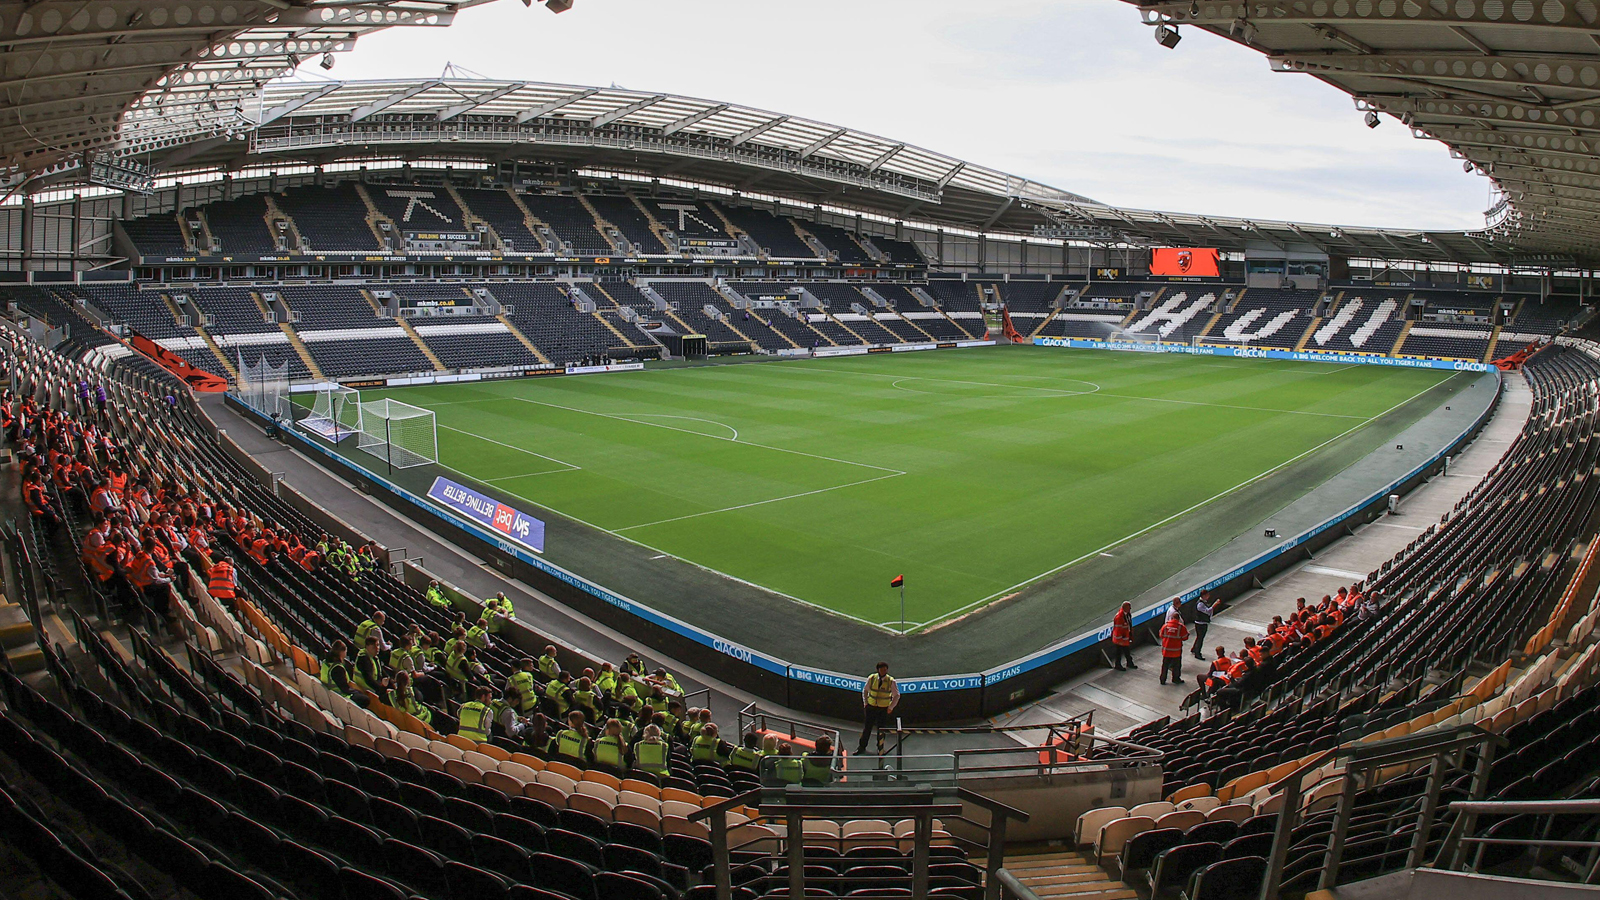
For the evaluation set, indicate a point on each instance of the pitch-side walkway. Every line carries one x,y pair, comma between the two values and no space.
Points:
1123,700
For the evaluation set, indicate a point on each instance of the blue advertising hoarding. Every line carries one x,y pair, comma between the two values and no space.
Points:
510,523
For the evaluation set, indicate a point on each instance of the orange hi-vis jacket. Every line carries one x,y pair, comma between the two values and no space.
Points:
1122,629
1173,636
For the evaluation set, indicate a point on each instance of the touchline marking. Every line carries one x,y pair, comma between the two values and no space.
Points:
1155,525
712,512
480,437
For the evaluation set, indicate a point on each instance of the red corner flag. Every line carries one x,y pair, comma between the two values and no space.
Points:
898,581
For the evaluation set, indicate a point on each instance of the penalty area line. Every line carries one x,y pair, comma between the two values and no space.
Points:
712,512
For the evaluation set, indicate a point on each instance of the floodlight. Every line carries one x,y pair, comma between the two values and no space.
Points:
558,6
1371,118
1167,37
327,60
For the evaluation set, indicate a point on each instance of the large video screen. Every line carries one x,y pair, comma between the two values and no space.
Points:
1192,261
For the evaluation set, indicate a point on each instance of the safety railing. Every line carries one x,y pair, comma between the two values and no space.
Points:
1464,846
1365,766
792,807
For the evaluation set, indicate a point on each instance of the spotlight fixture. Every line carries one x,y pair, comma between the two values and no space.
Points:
327,60
1371,118
1194,9
558,6
1167,36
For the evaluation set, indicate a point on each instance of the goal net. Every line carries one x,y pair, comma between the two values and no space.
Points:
398,433
335,413
1152,336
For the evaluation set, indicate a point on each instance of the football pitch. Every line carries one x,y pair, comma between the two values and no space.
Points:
973,473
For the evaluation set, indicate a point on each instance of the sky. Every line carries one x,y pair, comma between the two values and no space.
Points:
1074,94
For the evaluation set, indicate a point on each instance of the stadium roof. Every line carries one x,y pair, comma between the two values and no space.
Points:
742,149
1512,86
125,76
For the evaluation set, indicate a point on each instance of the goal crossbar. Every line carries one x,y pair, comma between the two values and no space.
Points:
398,433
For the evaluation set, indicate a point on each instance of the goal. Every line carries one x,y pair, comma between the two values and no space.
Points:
1152,337
335,413
398,433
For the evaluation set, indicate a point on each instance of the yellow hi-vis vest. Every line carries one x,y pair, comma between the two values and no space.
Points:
880,690
651,756
475,719
527,691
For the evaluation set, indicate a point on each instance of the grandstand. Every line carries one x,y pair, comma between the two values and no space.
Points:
464,489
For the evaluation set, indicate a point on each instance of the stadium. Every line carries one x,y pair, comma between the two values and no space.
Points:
462,489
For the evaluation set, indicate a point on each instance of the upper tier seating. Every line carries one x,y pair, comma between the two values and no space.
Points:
571,221
1545,318
333,219
687,218
841,242
418,207
955,295
899,251
630,220
157,235
775,235
1029,296
500,210
240,225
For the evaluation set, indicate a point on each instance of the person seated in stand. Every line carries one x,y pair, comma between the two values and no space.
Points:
650,755
436,596
403,696
633,665
746,756
816,767
371,674
478,635
336,670
557,697
610,750
571,743
706,746
549,664
787,767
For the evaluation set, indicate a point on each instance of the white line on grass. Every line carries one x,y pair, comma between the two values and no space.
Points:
711,512
691,419
569,466
1123,540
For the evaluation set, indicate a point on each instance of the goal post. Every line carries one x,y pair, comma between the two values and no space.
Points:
335,413
1152,337
398,433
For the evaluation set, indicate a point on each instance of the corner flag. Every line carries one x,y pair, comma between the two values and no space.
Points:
899,581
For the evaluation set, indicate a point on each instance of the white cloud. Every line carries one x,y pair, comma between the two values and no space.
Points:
1076,95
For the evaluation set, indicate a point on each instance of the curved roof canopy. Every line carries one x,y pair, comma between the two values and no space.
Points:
1511,86
742,149
119,77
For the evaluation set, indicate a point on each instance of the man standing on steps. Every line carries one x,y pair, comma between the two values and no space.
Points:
879,696
1173,636
1204,609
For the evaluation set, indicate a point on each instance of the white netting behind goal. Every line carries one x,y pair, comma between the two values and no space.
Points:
1136,337
398,433
335,413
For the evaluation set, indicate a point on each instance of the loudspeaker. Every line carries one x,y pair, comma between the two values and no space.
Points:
1167,37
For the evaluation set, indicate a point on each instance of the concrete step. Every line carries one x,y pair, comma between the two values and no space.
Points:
30,659
16,634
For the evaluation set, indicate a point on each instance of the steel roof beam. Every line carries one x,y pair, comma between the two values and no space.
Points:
811,149
450,112
695,119
277,112
950,175
884,157
607,118
545,109
746,135
400,96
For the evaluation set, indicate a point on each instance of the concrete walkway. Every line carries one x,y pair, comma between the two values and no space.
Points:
1122,701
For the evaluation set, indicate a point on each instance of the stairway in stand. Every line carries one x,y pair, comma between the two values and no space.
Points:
1066,874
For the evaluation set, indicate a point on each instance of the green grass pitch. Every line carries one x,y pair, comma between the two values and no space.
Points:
974,473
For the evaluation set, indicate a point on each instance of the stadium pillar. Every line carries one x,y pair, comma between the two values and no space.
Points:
983,251
76,243
27,232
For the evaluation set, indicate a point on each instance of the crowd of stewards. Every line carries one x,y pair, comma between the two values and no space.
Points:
1230,676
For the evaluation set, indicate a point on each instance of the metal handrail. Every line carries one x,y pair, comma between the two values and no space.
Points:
1453,855
1014,888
